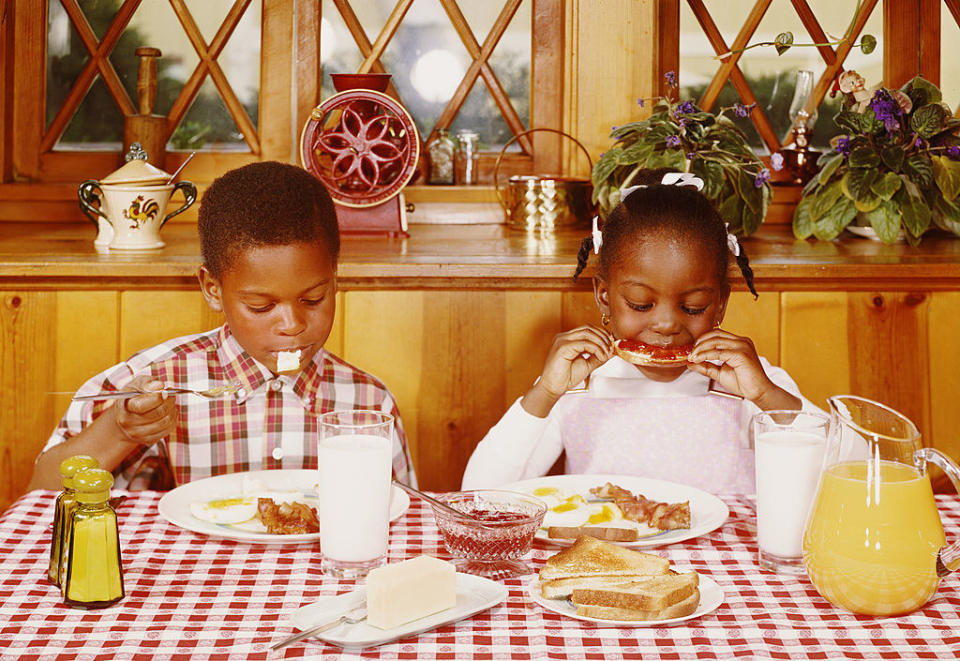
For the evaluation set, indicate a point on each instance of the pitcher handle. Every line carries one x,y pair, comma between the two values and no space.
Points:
189,197
948,560
88,197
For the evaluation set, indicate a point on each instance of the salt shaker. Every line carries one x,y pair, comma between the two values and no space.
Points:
441,150
63,509
94,577
468,155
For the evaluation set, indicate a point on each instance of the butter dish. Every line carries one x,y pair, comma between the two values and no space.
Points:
475,594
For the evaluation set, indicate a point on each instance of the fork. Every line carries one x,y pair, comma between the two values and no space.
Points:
210,393
353,616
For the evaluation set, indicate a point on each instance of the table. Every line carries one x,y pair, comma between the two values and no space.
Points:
196,597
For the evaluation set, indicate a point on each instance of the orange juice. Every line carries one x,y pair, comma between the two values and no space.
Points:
872,539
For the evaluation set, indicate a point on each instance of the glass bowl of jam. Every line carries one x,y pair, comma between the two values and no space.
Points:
500,534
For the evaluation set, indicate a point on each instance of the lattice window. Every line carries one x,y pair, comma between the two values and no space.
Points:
759,75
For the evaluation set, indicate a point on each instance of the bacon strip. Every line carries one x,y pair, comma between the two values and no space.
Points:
662,516
287,518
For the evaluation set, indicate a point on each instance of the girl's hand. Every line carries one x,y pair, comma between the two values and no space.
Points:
147,418
573,355
738,369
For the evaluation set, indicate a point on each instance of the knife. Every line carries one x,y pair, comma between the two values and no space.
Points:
352,616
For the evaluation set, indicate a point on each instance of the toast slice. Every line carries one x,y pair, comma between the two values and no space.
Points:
679,609
606,533
561,588
655,593
589,556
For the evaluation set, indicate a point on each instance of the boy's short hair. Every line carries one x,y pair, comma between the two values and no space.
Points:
264,203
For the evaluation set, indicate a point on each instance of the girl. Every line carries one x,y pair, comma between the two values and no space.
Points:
662,280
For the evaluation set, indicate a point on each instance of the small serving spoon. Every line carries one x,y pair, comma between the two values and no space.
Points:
442,505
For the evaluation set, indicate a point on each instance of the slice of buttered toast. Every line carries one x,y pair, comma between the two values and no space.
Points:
655,593
592,557
679,609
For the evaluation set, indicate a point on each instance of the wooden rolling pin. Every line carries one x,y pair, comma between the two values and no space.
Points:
146,128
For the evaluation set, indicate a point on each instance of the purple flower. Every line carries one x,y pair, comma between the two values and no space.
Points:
684,108
671,78
762,177
639,102
691,155
843,145
776,161
953,152
741,110
886,109
917,141
673,141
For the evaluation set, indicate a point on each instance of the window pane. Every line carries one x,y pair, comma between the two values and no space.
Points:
428,60
207,124
949,59
772,77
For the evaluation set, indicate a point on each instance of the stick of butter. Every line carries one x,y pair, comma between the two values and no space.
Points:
406,591
287,361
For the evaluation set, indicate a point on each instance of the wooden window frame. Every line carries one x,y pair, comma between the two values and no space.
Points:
40,185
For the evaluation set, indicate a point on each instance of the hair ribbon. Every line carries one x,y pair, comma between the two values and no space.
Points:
732,242
597,235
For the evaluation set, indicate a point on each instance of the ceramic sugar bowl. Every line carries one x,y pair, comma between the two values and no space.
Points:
129,206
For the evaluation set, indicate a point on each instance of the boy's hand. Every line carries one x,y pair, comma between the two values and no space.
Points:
573,355
739,369
147,418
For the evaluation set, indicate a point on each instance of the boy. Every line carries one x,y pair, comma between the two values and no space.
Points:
270,243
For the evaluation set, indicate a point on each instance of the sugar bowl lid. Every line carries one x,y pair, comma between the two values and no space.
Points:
136,170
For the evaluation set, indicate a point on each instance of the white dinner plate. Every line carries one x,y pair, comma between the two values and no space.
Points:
474,594
175,505
711,596
707,512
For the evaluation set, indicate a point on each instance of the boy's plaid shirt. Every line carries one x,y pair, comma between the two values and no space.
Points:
270,423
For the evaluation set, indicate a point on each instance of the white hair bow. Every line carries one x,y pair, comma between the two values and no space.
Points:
732,242
669,179
597,236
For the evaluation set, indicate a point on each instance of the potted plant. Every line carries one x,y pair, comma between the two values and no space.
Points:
681,136
896,171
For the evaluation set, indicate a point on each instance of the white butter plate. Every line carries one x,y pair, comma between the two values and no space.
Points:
711,596
474,595
707,512
175,505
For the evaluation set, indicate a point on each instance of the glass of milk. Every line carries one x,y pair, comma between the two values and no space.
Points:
789,448
354,458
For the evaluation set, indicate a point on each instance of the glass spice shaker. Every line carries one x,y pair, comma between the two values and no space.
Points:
441,150
64,507
467,159
94,577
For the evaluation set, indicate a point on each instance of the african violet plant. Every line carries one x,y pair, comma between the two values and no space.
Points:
896,169
681,136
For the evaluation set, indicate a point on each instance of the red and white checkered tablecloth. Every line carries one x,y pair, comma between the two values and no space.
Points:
195,597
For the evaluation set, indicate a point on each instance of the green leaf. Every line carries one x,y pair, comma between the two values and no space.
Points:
885,185
856,182
864,157
885,221
783,42
825,200
947,215
947,176
751,220
849,120
802,224
630,127
837,217
929,120
868,43
829,167
605,166
748,190
914,213
635,154
674,159
921,91
730,211
893,157
712,175
920,170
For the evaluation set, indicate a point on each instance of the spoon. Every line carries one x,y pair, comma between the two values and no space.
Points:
182,165
437,503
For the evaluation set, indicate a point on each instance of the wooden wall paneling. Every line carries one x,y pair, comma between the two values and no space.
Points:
578,308
87,341
382,332
27,366
814,343
889,354
943,356
532,320
912,51
29,87
6,100
148,317
757,319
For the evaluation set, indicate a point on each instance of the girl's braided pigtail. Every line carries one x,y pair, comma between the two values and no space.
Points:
745,269
586,246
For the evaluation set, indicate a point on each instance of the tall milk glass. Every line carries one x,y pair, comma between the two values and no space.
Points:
789,448
354,458
874,543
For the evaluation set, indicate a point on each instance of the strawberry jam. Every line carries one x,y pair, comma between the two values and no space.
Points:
508,535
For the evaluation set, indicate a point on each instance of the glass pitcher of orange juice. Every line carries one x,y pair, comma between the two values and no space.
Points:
873,542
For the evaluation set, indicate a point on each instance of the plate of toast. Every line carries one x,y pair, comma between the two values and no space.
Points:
598,581
630,511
